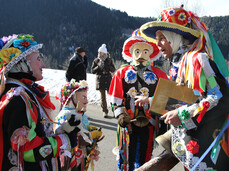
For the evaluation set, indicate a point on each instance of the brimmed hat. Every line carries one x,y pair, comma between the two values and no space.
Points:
15,48
175,20
80,50
70,88
136,38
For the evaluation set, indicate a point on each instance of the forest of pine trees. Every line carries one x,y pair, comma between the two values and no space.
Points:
63,25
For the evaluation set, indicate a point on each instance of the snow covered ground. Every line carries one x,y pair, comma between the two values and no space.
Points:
53,80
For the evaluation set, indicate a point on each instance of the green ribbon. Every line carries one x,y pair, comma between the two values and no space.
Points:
216,149
202,81
212,81
29,156
218,56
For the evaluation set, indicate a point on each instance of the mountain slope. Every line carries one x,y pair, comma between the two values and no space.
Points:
62,25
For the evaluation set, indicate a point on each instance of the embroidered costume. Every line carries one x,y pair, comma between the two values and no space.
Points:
77,159
26,132
135,142
201,66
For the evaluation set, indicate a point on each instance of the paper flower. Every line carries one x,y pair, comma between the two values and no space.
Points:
181,17
1,44
70,87
149,77
20,135
130,76
185,115
24,44
193,147
9,54
171,12
83,83
178,148
6,39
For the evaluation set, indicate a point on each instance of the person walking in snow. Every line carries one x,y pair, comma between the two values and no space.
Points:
103,66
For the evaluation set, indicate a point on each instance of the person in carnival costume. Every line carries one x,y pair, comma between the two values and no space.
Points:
74,102
26,132
136,128
199,135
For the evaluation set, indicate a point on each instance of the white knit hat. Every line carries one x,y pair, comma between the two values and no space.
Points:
103,48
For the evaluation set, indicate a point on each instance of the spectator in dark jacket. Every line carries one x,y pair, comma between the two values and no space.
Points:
78,66
102,66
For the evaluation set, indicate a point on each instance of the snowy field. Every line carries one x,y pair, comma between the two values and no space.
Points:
53,80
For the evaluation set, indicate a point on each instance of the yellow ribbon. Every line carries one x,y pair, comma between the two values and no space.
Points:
198,110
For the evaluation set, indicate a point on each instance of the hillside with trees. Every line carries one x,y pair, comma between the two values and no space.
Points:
63,25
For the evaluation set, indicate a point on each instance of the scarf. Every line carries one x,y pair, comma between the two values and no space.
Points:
42,95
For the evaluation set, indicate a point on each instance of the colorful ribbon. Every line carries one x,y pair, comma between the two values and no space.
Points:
210,147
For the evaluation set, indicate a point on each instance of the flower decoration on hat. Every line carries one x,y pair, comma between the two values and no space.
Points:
175,15
137,38
24,42
15,48
1,44
70,88
7,55
176,20
5,39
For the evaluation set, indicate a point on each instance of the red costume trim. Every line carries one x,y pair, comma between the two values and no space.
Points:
45,100
3,103
59,144
150,144
35,142
116,83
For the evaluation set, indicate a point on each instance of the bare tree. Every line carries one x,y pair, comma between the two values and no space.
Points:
195,5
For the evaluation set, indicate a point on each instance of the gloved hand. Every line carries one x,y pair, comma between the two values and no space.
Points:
73,137
71,124
96,134
101,64
123,120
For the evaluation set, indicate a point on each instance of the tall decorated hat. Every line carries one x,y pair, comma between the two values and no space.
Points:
69,89
137,38
15,48
176,20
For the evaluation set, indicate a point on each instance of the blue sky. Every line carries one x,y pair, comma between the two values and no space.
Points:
152,8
